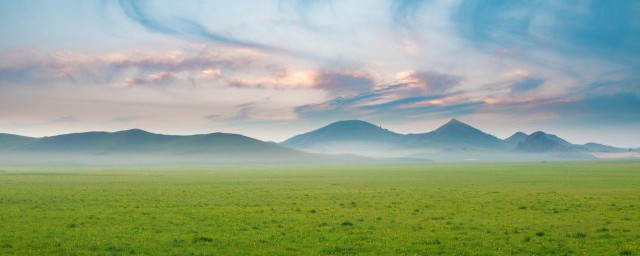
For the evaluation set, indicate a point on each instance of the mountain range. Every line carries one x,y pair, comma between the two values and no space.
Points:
339,142
453,140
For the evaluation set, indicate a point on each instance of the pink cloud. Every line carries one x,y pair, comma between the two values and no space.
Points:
430,82
343,82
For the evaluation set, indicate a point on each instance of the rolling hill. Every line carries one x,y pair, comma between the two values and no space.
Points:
539,142
339,142
138,146
515,139
596,147
10,141
139,141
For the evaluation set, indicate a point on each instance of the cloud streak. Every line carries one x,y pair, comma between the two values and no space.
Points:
558,27
126,68
404,11
418,94
428,82
527,84
139,12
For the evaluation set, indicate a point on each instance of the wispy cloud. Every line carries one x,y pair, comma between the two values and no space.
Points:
28,67
404,11
336,82
63,119
417,93
126,68
527,84
254,111
281,78
303,8
428,82
139,12
343,82
563,28
615,108
159,78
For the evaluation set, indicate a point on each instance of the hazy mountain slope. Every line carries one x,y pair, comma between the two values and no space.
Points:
539,142
514,139
353,136
454,141
139,141
596,147
99,142
455,135
344,130
9,141
138,146
226,143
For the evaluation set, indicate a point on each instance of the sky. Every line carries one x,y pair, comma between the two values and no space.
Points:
275,68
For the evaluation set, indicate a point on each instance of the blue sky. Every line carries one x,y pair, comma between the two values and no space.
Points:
273,69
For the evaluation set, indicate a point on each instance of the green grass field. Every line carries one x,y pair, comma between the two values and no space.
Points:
451,209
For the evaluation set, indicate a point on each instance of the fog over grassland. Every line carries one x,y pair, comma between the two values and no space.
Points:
343,142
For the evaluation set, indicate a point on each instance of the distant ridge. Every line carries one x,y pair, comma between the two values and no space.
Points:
9,141
338,142
137,140
542,142
141,146
596,147
452,141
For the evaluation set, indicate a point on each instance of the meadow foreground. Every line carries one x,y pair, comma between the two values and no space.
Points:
589,208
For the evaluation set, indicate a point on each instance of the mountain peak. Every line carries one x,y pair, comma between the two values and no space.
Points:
454,121
352,127
547,136
538,133
543,142
342,131
350,123
459,134
518,136
454,125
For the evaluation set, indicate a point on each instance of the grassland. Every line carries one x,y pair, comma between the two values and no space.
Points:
453,209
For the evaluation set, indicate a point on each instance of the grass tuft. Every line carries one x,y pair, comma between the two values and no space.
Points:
346,224
202,239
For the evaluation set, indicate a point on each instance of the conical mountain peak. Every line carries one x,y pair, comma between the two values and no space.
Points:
454,121
459,134
454,125
517,137
518,134
543,142
538,134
